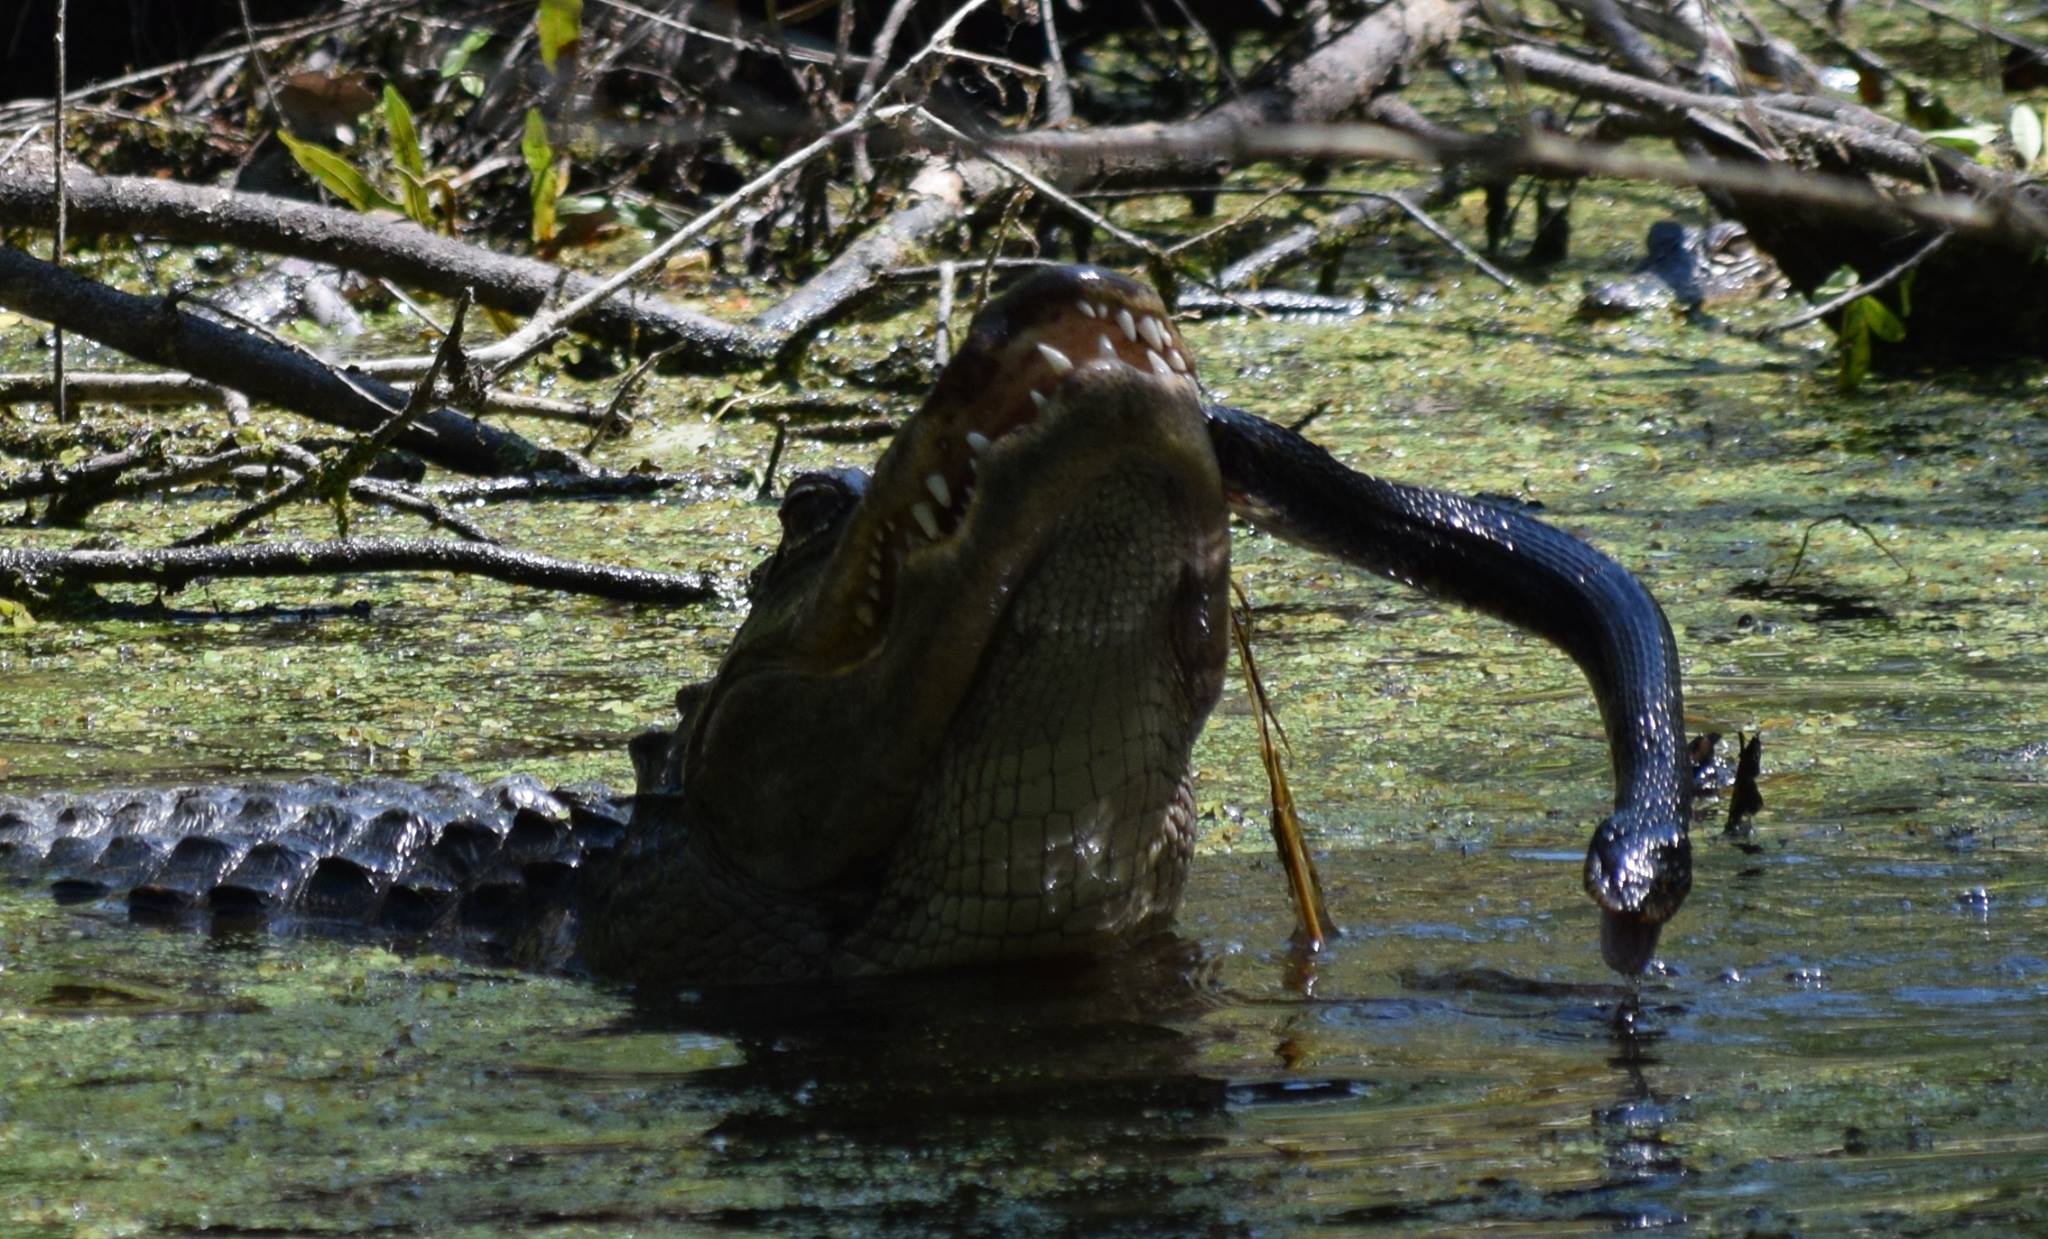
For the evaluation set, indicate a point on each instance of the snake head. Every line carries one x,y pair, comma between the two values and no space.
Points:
1639,870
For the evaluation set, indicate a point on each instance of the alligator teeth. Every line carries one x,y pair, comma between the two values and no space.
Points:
1059,361
1179,363
1086,307
875,569
1124,320
940,491
922,513
1159,366
1108,348
977,442
1038,399
1153,330
864,613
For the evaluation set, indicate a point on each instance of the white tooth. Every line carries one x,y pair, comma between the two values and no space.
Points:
875,570
940,491
1108,348
1153,330
1123,320
1087,308
1159,366
922,512
864,613
1038,399
1174,359
977,442
1057,360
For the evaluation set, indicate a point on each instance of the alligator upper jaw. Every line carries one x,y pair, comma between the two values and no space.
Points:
1061,387
1045,358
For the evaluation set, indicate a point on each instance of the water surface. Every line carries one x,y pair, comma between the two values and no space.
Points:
1842,1035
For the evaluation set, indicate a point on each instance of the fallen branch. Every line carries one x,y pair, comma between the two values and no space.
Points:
1333,80
337,475
1899,154
33,574
375,245
154,330
2017,218
113,388
581,486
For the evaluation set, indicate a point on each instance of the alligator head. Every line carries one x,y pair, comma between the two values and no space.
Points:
955,725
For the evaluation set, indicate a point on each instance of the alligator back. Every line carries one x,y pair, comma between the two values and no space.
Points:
446,857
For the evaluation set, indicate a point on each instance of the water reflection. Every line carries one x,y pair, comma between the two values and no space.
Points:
1056,1096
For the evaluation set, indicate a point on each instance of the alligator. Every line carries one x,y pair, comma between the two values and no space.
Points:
955,726
1687,269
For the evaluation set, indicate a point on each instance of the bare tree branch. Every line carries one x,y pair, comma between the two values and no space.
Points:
35,573
155,330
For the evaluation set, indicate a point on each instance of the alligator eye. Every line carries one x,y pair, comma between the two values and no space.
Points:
813,507
816,502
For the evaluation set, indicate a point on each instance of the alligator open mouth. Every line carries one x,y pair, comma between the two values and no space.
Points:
1055,334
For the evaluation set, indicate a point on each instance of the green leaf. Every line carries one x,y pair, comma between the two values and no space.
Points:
1854,347
556,23
547,173
1883,323
1863,319
1839,281
2024,124
458,56
534,144
405,153
339,175
14,618
1969,139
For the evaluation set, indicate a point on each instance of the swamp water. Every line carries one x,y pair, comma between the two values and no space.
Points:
1845,1036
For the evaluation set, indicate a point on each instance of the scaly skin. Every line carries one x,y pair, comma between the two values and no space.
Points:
1688,269
956,726
987,757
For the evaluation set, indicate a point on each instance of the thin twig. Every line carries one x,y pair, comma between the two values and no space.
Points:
1841,518
1234,222
1047,189
57,162
613,418
1059,93
353,461
262,70
383,494
1415,212
1864,289
545,327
